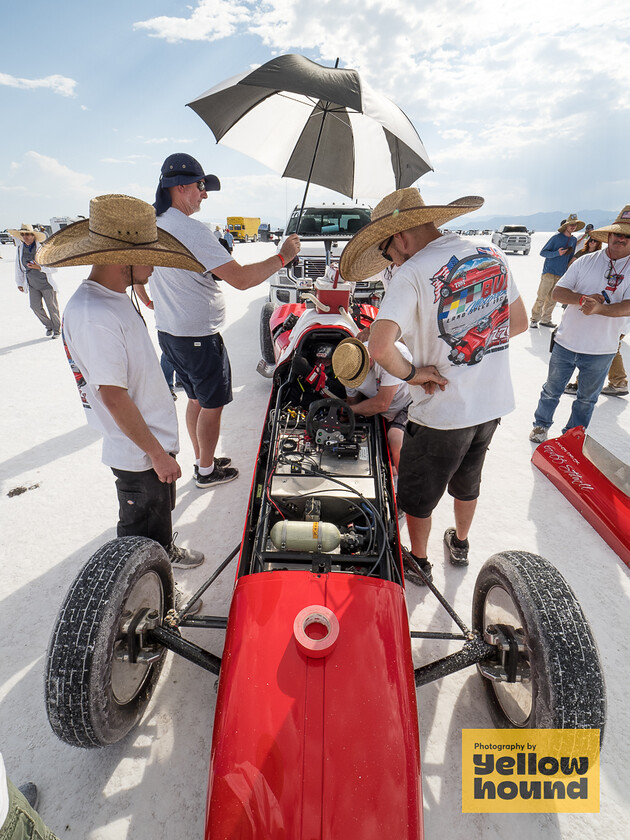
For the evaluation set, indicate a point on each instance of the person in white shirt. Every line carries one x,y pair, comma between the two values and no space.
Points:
454,304
596,291
116,369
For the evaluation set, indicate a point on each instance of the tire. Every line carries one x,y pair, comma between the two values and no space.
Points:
525,253
477,356
566,689
92,698
266,341
246,238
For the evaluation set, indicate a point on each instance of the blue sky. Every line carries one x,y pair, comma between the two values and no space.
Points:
526,104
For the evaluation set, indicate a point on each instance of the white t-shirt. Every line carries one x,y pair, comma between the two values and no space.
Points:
186,302
451,303
4,793
107,343
594,334
377,378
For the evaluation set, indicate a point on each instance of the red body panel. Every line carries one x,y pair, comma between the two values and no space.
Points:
601,503
311,748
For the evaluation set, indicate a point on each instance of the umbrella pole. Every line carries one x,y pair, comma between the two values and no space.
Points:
308,182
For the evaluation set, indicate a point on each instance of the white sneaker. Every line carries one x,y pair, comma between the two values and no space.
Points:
538,434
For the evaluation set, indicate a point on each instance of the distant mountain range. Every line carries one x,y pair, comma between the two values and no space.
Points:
538,221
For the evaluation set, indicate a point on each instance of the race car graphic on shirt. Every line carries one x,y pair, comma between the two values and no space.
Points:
473,310
78,376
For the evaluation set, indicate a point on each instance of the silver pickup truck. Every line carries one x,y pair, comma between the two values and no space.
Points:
512,238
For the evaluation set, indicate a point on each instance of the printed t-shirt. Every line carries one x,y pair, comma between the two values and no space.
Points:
451,302
187,303
107,343
594,334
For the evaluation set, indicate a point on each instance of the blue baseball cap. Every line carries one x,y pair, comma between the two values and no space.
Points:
177,169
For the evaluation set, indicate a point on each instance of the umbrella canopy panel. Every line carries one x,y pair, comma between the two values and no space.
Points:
366,145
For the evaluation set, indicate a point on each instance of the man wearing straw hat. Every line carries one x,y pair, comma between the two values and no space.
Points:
31,278
121,384
454,304
596,291
190,309
557,252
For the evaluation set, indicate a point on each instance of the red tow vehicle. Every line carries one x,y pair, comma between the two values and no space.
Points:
316,727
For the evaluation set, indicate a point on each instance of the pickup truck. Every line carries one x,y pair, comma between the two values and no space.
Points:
513,238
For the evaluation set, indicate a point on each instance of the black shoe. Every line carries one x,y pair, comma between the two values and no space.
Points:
30,793
456,550
55,335
412,575
218,462
571,389
48,333
219,475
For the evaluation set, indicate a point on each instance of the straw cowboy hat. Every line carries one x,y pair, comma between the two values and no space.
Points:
571,219
620,225
120,231
351,362
398,211
17,234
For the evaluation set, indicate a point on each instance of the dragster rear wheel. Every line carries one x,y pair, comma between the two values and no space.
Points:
522,598
266,341
94,694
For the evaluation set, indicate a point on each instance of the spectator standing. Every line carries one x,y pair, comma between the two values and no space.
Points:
37,281
596,289
557,253
454,305
229,239
582,240
190,309
116,369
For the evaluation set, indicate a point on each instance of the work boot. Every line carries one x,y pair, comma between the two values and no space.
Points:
538,434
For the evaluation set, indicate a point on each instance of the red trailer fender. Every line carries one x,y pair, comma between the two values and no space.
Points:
595,482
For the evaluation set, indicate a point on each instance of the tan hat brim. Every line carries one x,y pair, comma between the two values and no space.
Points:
579,224
75,245
17,234
353,375
602,233
362,259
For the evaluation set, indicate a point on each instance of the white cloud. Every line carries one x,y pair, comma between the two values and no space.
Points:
210,21
58,84
160,140
49,175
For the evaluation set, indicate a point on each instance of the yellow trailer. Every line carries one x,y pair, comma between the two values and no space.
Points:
243,228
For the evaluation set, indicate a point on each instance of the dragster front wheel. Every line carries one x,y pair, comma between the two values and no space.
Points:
100,668
547,672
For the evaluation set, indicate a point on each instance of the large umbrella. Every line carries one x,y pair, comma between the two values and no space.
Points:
317,124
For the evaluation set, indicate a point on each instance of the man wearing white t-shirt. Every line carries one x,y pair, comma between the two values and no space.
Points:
116,369
190,309
454,304
596,291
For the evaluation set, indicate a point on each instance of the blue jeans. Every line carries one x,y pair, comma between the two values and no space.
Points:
591,377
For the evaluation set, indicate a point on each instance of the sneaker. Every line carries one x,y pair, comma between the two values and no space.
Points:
48,333
457,554
538,434
615,390
173,394
184,558
533,325
571,389
548,324
219,475
30,793
411,574
180,600
55,335
218,462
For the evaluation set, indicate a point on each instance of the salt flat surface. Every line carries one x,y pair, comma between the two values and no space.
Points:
153,783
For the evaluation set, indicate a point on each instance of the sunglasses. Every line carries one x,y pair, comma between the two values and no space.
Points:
385,247
623,236
201,185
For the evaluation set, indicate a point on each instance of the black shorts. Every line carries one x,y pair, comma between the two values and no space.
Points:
202,366
434,460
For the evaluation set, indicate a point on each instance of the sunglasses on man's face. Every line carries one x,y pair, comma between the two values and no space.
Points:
201,185
624,237
385,247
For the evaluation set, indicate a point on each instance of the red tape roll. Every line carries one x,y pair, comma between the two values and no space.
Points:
328,629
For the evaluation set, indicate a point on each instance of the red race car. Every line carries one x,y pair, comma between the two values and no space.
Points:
316,726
